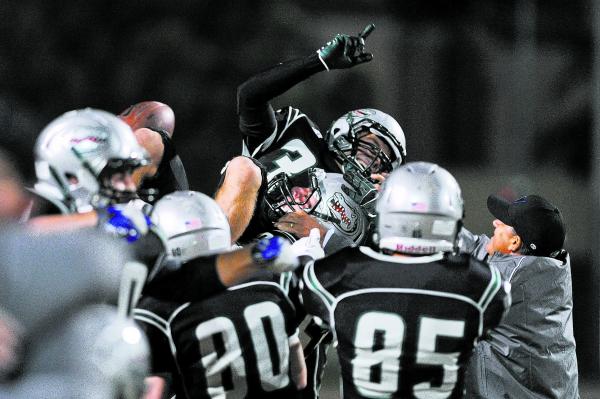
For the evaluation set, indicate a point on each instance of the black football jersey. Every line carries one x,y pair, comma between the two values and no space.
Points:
404,325
235,344
293,146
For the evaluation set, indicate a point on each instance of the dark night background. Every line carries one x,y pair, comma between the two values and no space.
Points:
502,93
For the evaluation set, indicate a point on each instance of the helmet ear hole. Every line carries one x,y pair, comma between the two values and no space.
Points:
71,178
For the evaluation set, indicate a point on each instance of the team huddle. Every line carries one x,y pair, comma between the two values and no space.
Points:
312,241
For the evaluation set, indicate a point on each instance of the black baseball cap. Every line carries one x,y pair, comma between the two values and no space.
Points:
536,221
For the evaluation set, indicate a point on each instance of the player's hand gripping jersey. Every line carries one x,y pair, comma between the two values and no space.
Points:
236,344
404,325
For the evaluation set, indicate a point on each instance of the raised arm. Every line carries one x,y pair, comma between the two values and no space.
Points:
256,116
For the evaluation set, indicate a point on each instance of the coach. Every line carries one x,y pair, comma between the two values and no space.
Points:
531,354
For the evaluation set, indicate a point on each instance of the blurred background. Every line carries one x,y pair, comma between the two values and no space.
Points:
503,93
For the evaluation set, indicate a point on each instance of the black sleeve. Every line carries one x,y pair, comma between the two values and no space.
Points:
256,116
170,175
194,281
162,359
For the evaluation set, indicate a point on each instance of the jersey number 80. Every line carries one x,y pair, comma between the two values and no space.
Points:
222,357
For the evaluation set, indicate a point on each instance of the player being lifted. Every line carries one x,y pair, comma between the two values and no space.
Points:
407,312
287,144
240,343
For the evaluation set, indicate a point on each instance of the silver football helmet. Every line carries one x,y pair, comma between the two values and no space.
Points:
344,139
78,155
193,224
419,210
338,209
282,196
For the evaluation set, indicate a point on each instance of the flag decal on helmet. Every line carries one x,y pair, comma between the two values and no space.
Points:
419,206
193,224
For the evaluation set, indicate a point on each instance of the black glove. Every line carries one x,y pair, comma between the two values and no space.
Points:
345,51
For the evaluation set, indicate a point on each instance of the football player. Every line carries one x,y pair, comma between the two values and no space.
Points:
84,162
287,143
330,200
406,313
242,342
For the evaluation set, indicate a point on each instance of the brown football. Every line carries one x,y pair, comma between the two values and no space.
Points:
150,114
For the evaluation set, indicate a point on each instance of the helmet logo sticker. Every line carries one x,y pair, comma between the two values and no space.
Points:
344,215
89,143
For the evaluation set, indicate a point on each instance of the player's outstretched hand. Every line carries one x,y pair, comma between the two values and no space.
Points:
344,51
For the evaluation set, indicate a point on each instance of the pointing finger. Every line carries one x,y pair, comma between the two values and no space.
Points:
367,31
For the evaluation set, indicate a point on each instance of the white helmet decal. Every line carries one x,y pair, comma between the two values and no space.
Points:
339,210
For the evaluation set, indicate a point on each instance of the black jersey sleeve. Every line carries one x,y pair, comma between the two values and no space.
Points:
195,280
256,115
156,328
170,175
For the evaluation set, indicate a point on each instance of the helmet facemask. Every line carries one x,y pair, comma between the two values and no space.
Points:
84,159
283,197
365,155
368,138
116,182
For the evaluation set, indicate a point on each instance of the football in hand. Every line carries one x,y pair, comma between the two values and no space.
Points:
150,114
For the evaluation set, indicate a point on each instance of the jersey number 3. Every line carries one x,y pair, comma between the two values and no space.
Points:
295,158
378,349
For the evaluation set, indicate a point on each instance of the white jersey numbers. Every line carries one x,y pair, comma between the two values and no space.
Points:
221,352
267,330
295,158
378,344
430,329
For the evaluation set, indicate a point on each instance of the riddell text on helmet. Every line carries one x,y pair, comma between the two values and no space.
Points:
415,249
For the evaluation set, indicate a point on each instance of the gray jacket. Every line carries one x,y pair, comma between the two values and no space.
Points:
531,354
